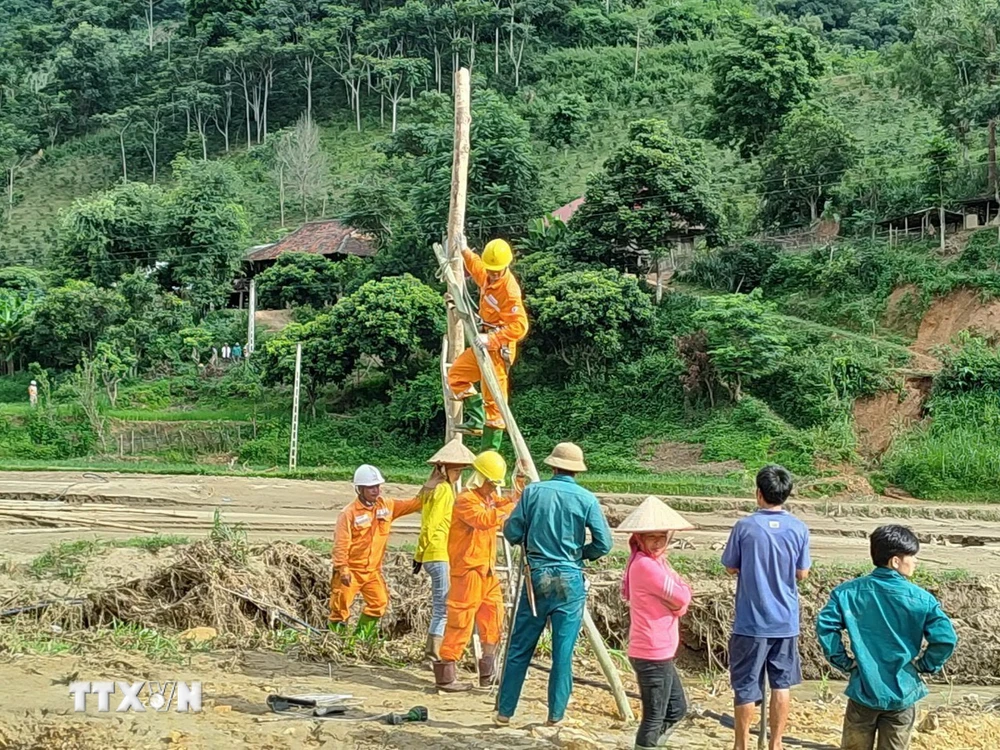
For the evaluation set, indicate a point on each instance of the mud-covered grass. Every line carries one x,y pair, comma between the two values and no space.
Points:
68,561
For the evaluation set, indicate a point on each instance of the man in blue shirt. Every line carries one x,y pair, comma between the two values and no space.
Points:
769,552
887,619
551,521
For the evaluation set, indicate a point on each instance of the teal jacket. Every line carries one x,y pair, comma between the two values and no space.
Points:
552,520
887,619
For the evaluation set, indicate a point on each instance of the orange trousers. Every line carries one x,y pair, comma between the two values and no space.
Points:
474,599
372,588
465,371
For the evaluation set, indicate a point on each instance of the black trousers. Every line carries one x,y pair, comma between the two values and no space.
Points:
663,701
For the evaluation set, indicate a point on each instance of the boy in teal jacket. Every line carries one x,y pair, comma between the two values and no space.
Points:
887,619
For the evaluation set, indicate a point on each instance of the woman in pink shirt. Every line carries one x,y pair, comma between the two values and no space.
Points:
658,597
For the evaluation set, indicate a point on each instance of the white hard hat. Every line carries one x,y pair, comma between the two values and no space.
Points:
367,476
33,382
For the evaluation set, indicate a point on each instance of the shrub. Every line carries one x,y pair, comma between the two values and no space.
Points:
982,252
974,366
738,268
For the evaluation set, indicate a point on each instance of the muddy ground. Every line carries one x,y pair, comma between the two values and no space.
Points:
40,509
36,710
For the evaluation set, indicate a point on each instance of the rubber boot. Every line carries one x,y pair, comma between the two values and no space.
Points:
367,626
487,669
444,678
492,438
433,649
475,416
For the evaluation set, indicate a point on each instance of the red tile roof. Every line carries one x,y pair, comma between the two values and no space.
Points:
317,238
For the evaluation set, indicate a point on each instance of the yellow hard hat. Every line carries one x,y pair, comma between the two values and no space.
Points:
497,255
492,466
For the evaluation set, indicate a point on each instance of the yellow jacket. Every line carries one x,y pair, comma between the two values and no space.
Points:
435,523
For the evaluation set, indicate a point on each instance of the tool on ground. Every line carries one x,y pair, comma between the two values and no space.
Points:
333,707
38,607
417,713
311,705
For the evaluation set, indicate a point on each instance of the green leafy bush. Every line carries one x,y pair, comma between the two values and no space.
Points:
974,366
982,252
820,380
751,433
737,268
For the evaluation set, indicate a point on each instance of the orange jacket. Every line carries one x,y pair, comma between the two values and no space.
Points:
475,521
363,533
500,306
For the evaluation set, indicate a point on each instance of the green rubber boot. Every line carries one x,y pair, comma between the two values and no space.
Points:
367,627
492,438
475,416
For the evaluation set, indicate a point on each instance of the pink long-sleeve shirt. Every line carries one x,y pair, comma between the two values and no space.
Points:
649,586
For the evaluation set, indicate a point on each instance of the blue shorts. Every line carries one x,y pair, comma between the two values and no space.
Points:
750,658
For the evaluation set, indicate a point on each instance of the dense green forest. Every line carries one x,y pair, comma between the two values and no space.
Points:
147,145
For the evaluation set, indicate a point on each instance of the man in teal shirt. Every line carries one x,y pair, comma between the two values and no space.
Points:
551,521
887,619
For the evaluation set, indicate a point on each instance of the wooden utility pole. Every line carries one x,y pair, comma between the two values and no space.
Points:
456,233
251,318
293,447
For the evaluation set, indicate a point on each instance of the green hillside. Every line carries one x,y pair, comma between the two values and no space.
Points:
753,152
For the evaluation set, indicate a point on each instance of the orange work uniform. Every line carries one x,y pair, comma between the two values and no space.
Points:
358,547
505,321
475,596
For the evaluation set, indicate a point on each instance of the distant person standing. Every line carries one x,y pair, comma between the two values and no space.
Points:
769,552
226,351
33,393
237,352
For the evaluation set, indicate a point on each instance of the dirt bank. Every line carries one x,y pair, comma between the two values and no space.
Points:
961,310
880,418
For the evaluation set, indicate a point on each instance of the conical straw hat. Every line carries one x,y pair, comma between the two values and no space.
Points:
453,454
652,516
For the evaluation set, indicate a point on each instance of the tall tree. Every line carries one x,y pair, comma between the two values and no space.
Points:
303,164
940,165
503,168
207,230
120,122
15,314
652,192
758,77
804,162
745,339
